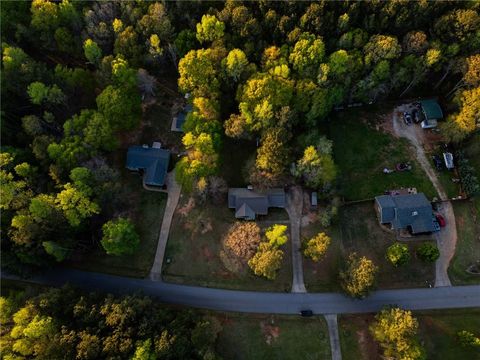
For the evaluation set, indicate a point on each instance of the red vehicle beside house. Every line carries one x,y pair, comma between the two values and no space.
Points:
441,220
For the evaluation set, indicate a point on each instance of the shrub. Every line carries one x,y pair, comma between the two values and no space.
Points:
316,247
428,252
398,254
466,338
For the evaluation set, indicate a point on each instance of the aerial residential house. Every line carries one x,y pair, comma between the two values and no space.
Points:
151,161
411,212
248,203
432,113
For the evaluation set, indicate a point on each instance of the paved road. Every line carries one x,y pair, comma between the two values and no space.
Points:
447,237
294,210
332,324
172,201
264,302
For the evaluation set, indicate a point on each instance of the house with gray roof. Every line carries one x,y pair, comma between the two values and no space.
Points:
248,203
151,161
412,212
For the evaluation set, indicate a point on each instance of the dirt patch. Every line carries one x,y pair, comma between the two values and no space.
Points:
309,218
270,332
185,210
207,254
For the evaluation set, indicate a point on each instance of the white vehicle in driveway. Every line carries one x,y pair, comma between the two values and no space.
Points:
429,124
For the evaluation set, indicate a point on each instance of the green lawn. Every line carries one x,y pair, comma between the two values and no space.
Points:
438,331
273,337
472,150
467,252
357,230
157,120
234,156
323,276
445,177
194,248
362,152
146,209
355,339
437,334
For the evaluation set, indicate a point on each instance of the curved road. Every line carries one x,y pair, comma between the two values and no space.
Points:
264,302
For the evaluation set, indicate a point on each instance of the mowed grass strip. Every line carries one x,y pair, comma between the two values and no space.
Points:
357,230
438,330
361,153
273,337
467,250
194,250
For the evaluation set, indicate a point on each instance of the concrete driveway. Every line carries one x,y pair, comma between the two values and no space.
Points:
447,237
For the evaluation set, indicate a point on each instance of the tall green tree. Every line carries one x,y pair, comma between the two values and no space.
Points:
120,237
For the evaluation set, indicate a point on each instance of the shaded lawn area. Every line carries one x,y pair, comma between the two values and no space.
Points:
361,153
438,330
273,337
157,121
146,209
357,230
472,151
467,251
323,276
234,156
194,248
437,334
445,177
356,340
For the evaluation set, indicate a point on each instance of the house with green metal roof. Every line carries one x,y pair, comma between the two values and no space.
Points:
151,161
411,212
432,112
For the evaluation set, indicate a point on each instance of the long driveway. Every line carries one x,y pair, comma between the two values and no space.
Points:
294,210
264,302
447,237
173,196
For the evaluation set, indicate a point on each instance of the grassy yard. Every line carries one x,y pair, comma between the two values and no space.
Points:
437,334
472,151
194,249
273,337
355,339
362,152
438,331
234,156
357,230
467,217
323,275
445,177
146,209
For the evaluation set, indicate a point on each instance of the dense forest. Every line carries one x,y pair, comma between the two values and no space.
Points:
68,324
77,76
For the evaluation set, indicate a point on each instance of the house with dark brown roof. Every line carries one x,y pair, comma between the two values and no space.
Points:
248,203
